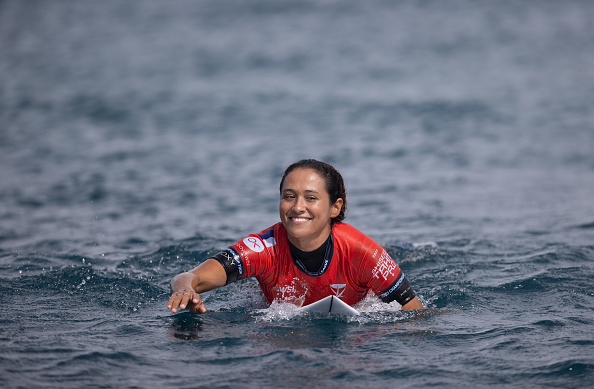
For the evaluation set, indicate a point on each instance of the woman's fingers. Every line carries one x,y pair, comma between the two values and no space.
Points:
173,302
196,305
183,299
180,300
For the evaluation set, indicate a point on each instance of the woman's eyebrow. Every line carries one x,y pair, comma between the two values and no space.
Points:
306,191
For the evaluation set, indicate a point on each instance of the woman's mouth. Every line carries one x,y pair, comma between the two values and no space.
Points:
299,219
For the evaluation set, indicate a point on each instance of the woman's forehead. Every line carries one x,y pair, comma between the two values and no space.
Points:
304,179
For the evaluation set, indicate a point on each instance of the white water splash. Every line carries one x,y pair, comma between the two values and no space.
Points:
278,311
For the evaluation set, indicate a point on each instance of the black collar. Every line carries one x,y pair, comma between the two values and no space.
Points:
316,262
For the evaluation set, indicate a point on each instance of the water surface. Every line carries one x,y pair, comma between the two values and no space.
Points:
138,139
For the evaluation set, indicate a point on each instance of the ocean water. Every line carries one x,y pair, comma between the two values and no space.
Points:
139,138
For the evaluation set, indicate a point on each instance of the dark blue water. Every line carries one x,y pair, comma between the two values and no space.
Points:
138,138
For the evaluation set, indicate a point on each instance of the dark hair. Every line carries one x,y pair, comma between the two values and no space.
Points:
334,182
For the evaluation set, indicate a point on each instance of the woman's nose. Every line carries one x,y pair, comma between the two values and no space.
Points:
299,205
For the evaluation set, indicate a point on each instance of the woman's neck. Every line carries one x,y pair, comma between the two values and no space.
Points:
314,262
309,244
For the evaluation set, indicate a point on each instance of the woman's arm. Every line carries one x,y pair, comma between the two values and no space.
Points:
185,287
415,303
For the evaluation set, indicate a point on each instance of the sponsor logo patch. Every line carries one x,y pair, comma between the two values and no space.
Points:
255,244
337,289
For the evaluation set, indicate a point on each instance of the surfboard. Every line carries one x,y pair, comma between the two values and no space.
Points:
330,304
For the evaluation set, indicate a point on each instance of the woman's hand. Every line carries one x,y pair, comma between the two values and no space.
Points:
185,287
183,299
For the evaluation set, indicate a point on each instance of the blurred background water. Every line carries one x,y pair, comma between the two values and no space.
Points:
138,138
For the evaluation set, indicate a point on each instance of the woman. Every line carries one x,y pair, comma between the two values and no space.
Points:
310,255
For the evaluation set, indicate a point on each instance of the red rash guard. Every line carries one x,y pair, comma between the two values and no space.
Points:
355,265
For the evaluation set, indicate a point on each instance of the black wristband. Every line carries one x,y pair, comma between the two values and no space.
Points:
401,291
232,264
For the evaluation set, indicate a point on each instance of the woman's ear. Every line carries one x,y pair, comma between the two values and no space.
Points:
336,208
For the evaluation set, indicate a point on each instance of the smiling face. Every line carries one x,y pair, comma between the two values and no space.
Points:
306,210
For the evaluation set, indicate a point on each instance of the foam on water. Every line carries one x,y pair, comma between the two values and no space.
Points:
280,311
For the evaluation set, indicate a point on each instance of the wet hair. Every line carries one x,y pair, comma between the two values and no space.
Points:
334,182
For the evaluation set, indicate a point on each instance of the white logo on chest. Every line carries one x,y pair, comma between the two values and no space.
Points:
337,289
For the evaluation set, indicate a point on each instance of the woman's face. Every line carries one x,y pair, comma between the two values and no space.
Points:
305,209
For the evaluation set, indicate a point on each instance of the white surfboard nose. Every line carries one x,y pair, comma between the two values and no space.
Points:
330,304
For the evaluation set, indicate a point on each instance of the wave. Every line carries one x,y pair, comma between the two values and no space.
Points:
113,289
444,278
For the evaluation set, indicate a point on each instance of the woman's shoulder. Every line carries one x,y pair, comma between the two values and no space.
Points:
346,231
273,234
354,244
274,229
